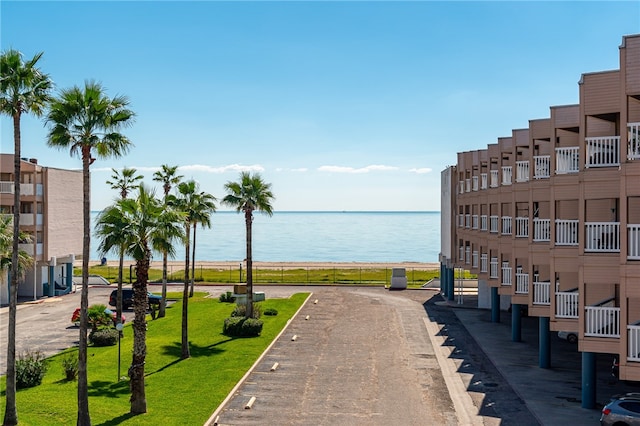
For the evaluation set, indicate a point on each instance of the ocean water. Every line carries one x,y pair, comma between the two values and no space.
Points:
317,237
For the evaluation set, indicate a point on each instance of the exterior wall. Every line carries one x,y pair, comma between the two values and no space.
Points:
63,213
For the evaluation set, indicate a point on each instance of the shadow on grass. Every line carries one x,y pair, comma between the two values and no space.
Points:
118,420
108,389
175,350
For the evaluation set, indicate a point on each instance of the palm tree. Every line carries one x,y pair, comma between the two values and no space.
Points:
122,181
248,194
24,88
204,205
6,250
147,223
87,122
166,175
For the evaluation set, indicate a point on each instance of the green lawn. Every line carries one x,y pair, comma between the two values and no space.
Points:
177,391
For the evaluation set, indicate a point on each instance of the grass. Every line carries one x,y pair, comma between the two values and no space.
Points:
177,391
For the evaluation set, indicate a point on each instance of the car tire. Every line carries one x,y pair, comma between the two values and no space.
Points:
572,338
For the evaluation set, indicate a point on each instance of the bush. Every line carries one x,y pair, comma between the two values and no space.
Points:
241,310
227,297
30,369
104,337
98,317
271,312
70,366
242,327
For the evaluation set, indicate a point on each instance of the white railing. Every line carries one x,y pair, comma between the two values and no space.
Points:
484,223
474,259
493,268
522,227
494,179
506,274
467,255
541,293
507,175
29,219
27,189
474,221
566,232
484,181
39,189
493,224
467,184
522,171
602,237
506,225
602,321
541,229
541,166
461,187
6,187
461,220
467,220
461,254
603,151
484,262
633,337
28,248
567,160
633,235
633,150
522,283
567,304
474,183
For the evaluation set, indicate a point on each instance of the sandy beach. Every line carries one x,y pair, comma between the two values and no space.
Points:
157,264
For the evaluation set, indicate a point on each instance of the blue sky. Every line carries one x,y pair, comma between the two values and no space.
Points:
339,105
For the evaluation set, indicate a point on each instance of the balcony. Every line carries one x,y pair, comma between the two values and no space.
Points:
474,259
522,227
474,183
506,274
602,237
522,283
6,187
27,219
507,175
601,320
484,262
541,292
474,221
494,179
493,224
541,229
461,220
541,166
633,337
461,254
522,171
467,255
467,221
484,181
603,152
567,304
467,185
567,160
484,222
461,187
566,232
633,251
633,150
506,225
28,248
493,268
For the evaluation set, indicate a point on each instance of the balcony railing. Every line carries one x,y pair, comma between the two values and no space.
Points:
567,160
522,171
522,283
506,274
461,254
6,187
467,221
603,151
602,321
522,227
484,262
493,224
484,223
541,293
27,219
474,259
541,229
467,255
507,175
28,248
461,220
633,150
467,185
506,225
27,189
474,183
493,268
541,166
494,183
602,237
484,181
461,187
566,232
633,235
474,221
633,337
567,304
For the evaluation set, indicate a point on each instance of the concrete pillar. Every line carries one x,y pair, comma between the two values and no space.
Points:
544,343
451,281
52,280
442,269
495,305
588,380
516,323
69,277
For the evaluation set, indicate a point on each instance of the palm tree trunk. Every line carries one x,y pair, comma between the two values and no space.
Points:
193,260
83,390
11,412
248,217
163,302
119,294
140,303
185,300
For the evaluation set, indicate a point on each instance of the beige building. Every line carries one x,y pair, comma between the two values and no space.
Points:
549,218
51,213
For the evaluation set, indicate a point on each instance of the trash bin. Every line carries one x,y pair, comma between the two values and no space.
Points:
103,261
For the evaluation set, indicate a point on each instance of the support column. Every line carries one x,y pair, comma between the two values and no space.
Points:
516,323
451,281
495,305
588,380
544,343
442,269
52,280
69,278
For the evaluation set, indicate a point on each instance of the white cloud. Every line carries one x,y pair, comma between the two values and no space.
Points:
295,170
367,169
222,169
421,170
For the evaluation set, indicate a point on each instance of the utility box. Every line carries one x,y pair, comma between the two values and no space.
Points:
240,288
398,279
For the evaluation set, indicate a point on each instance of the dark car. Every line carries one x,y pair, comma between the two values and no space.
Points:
622,410
127,298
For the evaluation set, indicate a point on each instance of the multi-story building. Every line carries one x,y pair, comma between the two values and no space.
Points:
51,214
549,218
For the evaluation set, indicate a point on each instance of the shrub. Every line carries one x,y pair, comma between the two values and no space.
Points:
271,312
227,297
242,327
70,365
104,337
98,317
241,310
30,369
